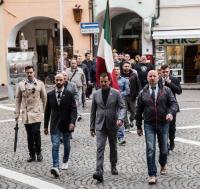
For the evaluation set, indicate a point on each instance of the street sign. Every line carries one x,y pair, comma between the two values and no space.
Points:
89,27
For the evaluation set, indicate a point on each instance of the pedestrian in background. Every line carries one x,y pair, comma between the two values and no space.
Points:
174,84
142,68
89,63
107,115
125,91
61,110
31,99
130,100
157,106
77,76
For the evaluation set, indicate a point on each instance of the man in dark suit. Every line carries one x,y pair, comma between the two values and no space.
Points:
174,84
61,107
107,114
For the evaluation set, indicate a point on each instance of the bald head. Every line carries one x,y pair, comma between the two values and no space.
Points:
59,80
65,76
152,77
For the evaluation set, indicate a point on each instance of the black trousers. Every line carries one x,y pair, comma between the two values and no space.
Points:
172,129
89,90
33,138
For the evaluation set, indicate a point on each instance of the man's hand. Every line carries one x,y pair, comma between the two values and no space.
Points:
16,119
46,132
169,117
139,132
168,80
92,132
71,127
119,123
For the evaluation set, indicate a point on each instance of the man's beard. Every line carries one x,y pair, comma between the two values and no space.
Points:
59,86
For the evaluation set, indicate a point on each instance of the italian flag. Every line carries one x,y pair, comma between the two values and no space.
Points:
104,62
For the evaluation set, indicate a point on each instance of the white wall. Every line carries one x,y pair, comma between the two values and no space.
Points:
179,14
145,9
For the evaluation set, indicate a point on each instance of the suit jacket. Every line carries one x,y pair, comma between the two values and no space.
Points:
113,110
31,101
174,86
61,115
71,87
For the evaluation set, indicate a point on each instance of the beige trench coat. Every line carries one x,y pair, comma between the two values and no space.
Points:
31,101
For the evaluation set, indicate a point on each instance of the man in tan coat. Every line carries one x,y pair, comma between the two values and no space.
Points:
31,98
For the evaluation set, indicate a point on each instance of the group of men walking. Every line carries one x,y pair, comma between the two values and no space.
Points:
154,96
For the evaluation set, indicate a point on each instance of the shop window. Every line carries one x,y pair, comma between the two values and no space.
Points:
175,56
175,59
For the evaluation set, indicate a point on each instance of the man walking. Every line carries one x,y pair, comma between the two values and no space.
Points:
61,108
174,84
130,100
107,114
125,91
157,106
31,99
77,76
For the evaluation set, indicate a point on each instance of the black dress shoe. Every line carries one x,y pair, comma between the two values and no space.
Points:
31,158
98,177
114,171
39,157
172,145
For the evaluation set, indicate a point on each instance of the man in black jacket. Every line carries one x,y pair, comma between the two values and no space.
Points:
130,99
157,105
61,107
89,63
142,69
174,84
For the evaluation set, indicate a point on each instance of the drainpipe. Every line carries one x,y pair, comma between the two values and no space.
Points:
154,23
91,19
158,9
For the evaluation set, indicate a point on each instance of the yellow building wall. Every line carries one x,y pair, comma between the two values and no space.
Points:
15,12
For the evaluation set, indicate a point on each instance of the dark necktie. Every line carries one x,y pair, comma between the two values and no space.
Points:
59,96
153,95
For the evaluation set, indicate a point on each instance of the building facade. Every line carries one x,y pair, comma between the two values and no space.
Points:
33,26
176,34
131,23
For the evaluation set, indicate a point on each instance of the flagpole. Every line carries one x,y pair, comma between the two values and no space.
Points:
110,22
61,35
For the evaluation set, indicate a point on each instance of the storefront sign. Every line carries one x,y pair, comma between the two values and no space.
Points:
178,41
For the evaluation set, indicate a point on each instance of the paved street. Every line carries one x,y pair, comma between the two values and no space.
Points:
183,163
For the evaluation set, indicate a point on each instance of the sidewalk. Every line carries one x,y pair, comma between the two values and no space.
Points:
3,92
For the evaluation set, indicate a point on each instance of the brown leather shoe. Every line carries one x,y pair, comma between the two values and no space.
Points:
163,170
152,180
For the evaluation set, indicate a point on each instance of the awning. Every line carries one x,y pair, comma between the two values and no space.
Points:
176,34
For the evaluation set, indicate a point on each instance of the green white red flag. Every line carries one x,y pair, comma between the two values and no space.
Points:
105,62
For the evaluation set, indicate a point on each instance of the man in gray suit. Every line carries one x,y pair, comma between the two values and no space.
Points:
107,114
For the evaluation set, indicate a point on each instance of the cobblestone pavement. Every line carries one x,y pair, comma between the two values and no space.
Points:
183,163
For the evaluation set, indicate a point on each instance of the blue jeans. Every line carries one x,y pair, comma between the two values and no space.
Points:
55,139
150,137
120,132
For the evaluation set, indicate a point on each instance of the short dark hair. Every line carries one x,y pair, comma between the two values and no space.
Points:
75,56
86,53
29,67
126,63
105,74
165,66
